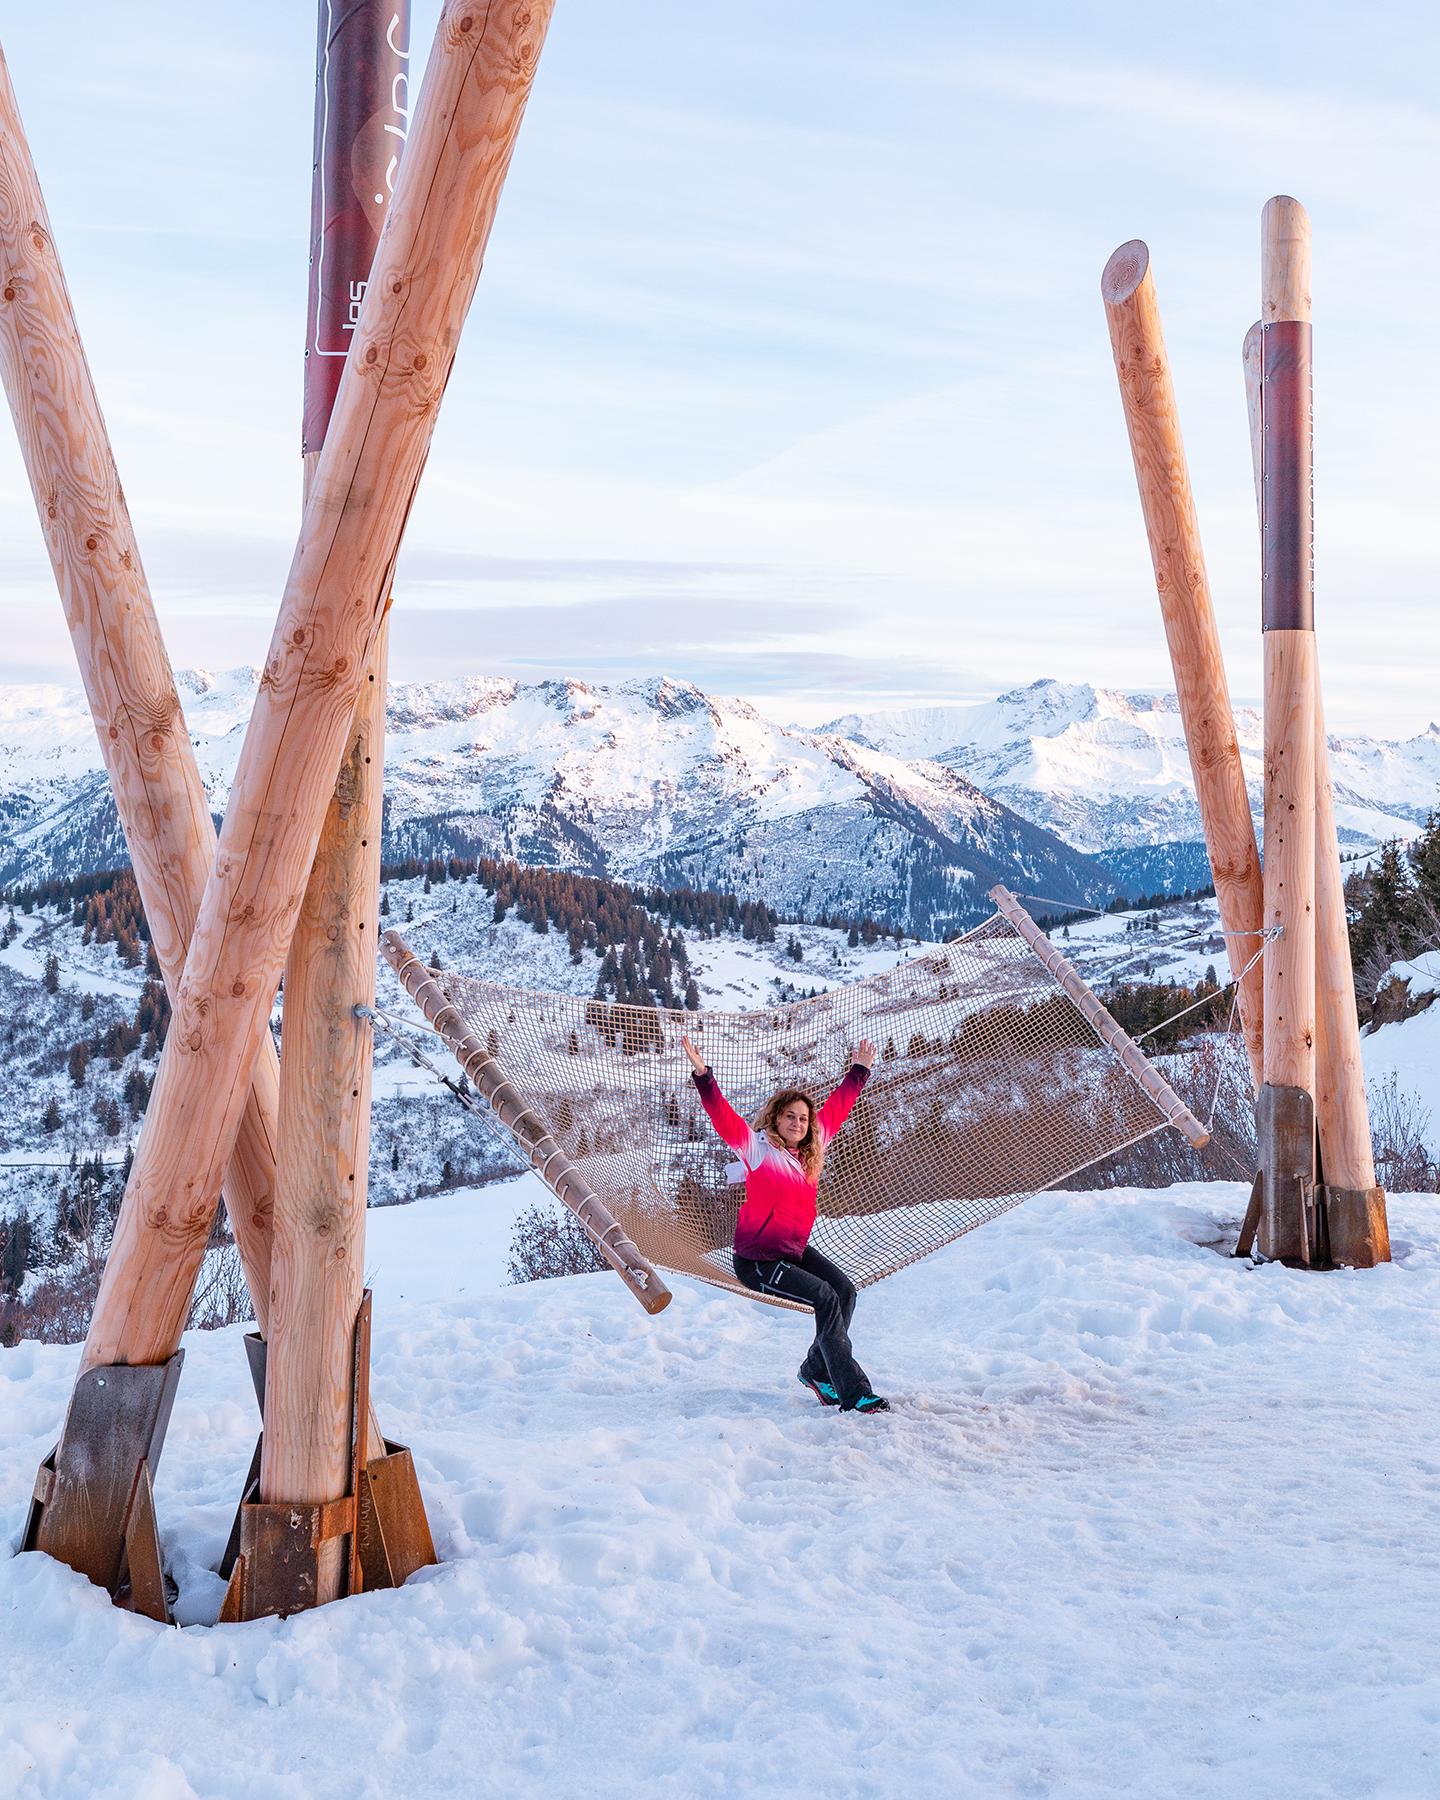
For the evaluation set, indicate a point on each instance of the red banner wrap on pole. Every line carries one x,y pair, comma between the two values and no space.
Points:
362,113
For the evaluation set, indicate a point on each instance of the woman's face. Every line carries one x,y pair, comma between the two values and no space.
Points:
792,1123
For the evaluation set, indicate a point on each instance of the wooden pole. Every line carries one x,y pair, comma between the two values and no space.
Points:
1356,1215
1288,620
1132,312
1355,1207
322,1168
159,795
424,276
318,1265
526,1126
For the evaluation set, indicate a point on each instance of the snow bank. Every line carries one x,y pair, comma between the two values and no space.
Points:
1410,1051
1145,1522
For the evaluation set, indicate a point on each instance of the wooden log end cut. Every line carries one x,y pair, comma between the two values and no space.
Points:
1124,272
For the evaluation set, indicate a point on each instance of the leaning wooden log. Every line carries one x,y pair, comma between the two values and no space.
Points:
1102,1022
425,272
526,1127
323,1155
1287,1227
1132,312
159,795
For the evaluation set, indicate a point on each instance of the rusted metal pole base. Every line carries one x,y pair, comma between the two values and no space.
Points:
395,1537
255,1356
277,1570
272,1561
1250,1224
276,1566
94,1503
1290,1226
1358,1226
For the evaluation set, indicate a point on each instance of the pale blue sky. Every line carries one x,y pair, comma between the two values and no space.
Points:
787,371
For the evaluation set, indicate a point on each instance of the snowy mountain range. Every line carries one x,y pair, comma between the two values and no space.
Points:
1065,791
652,781
1108,772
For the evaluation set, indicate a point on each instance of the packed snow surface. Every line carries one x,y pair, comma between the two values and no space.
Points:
1145,1521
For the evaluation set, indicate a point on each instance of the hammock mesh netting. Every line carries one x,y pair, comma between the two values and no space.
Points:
989,1085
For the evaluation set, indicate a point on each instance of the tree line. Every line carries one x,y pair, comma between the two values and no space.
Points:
1393,910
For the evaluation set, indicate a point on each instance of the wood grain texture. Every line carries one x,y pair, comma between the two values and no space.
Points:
323,1159
1284,261
1290,858
318,1260
123,664
424,276
1152,420
1341,1108
1341,1104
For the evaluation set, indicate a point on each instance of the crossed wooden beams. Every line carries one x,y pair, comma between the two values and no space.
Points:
224,915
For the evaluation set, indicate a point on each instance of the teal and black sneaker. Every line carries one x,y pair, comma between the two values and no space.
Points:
869,1403
822,1390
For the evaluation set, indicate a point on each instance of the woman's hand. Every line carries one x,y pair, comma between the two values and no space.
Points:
697,1061
863,1053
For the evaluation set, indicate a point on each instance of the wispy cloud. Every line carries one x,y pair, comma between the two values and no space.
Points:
787,371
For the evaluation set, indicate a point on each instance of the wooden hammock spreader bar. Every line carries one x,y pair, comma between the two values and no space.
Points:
526,1127
1111,1033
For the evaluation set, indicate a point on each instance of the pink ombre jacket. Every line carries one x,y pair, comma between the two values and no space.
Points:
779,1210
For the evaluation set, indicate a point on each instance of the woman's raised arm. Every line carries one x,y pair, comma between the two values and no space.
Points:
731,1128
842,1098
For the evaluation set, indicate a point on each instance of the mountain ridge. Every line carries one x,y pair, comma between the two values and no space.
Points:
650,781
1063,789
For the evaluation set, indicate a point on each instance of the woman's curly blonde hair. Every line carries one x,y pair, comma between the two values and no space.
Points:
810,1152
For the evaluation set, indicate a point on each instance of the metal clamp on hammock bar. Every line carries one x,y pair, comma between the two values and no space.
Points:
1109,1030
526,1127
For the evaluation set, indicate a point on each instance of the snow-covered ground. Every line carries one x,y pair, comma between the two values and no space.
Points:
1146,1521
1410,1051
1184,945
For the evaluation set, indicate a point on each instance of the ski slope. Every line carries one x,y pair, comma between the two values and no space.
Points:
1145,1521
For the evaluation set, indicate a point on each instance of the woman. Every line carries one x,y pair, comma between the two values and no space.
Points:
782,1154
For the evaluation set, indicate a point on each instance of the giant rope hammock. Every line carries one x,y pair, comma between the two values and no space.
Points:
999,1074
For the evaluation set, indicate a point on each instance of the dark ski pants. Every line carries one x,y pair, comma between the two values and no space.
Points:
814,1281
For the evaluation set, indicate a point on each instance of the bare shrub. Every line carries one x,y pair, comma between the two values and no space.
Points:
58,1307
1214,1059
222,1295
547,1241
1401,1128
